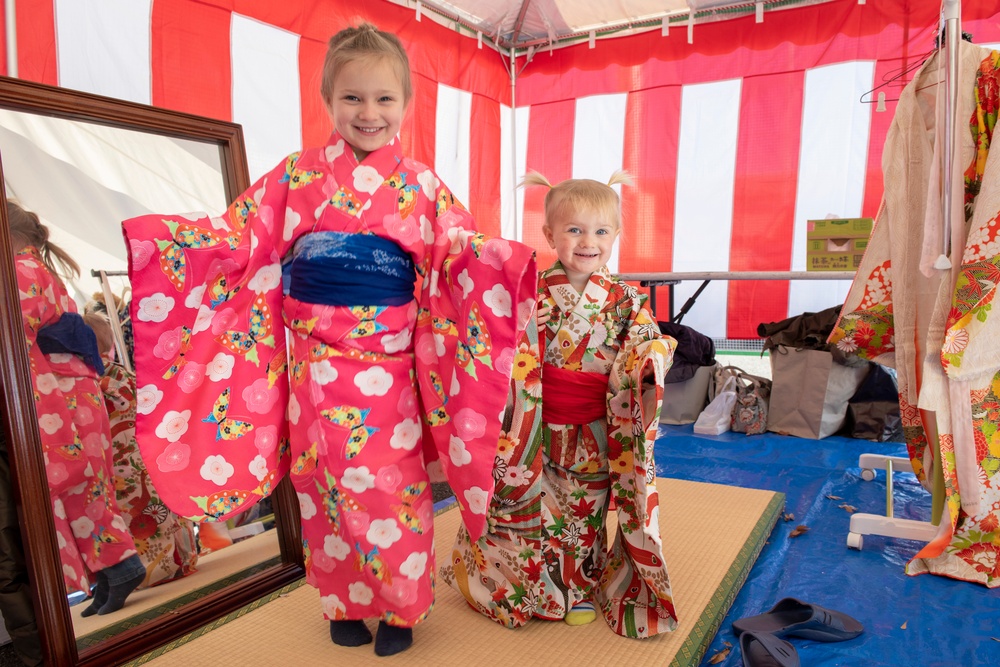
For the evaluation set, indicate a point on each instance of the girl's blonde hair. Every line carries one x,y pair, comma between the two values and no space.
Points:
575,194
28,230
361,42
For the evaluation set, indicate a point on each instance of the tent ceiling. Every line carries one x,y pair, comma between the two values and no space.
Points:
523,24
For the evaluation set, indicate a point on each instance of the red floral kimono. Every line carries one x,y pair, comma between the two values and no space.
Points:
360,402
547,544
76,436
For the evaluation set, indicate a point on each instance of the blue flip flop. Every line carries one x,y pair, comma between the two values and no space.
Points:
761,649
794,618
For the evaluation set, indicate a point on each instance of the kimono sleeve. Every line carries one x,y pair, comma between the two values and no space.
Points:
35,290
635,593
476,297
210,352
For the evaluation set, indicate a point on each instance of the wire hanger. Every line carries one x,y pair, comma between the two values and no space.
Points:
897,76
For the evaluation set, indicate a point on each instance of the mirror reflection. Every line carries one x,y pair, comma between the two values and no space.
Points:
126,557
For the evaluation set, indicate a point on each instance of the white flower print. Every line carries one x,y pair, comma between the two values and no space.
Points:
292,220
495,252
517,476
333,608
414,566
435,472
476,499
193,299
323,372
847,344
82,527
397,342
46,383
426,230
204,319
373,382
334,546
334,151
405,435
147,398
383,533
360,593
433,285
58,508
267,278
221,367
142,252
358,479
219,223
173,426
458,453
466,282
367,179
65,384
50,423
498,300
428,183
217,469
470,424
307,508
956,340
439,348
294,409
155,308
258,467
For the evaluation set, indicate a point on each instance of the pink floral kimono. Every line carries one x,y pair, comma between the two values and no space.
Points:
76,436
547,543
936,326
360,402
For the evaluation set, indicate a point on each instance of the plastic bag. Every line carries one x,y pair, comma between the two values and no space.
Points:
717,416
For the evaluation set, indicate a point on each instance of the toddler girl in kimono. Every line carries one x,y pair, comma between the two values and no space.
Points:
578,430
381,382
73,424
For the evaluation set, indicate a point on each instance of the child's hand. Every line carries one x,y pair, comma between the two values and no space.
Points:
543,314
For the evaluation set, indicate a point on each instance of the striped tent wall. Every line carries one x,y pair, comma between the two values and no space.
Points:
735,137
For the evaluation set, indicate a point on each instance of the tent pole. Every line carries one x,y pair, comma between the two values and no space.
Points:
952,12
518,232
10,19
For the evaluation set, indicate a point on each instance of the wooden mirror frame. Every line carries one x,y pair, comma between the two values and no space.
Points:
21,425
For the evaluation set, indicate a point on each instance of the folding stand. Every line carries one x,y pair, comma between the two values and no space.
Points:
889,525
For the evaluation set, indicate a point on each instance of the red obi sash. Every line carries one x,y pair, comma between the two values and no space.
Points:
573,397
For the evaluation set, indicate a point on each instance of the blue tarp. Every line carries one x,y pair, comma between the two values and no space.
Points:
923,621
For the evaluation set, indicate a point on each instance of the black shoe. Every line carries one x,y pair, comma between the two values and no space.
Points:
350,633
392,639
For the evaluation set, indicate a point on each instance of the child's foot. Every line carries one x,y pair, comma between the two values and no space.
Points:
118,592
100,595
350,633
392,639
581,614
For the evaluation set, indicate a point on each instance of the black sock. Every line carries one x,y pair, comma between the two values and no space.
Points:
392,639
350,633
118,592
100,595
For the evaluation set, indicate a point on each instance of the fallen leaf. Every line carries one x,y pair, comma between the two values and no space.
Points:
903,626
719,657
834,497
727,644
850,509
788,517
798,531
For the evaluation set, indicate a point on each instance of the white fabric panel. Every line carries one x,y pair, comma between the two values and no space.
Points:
103,47
266,101
598,143
452,142
513,164
832,163
706,168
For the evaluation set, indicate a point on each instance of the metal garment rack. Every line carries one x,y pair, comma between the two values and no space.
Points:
671,279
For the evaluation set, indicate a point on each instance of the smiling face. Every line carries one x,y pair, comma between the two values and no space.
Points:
582,239
367,104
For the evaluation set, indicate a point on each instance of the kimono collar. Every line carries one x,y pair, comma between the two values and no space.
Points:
587,305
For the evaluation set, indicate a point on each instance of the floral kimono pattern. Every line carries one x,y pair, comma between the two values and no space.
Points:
165,542
953,400
359,402
547,544
76,437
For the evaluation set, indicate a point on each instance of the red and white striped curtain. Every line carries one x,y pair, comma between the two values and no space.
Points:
735,139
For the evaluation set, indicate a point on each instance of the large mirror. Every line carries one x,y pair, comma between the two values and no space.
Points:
83,163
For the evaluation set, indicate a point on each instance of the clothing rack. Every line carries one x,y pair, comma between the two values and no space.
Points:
887,525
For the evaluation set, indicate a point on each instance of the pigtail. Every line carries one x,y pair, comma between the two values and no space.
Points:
620,176
534,178
28,230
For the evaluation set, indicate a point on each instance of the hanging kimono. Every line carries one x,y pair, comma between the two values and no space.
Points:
358,400
73,425
935,325
547,544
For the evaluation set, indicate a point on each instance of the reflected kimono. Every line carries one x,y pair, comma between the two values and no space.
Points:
369,388
74,428
937,327
576,433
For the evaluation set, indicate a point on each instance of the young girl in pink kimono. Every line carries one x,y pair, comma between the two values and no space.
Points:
73,424
380,383
578,430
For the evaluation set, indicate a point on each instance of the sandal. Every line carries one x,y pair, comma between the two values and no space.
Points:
760,649
793,618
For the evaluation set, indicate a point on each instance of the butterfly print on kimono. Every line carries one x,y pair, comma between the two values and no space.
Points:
374,563
353,419
368,324
261,328
438,415
407,198
182,350
478,345
227,428
295,177
218,504
173,261
276,367
218,292
407,513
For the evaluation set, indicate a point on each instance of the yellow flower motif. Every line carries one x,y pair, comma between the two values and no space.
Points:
589,468
505,447
624,463
523,364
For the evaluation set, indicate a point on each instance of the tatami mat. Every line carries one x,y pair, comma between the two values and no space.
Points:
712,535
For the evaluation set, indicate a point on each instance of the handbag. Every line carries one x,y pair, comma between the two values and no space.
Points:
753,393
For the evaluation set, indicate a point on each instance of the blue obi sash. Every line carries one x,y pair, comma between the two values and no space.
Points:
71,335
350,269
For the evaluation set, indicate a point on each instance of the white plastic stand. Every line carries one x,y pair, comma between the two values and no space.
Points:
888,525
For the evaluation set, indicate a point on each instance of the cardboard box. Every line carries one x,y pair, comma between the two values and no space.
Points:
836,244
